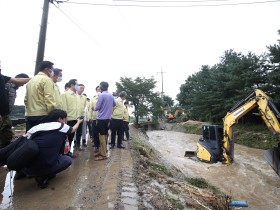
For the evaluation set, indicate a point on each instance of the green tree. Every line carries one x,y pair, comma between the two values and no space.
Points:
211,92
140,92
274,67
196,95
168,101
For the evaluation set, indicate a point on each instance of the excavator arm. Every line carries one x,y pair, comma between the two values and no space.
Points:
217,143
230,119
267,111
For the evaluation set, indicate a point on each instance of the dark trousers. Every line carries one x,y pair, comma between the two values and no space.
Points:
33,121
6,133
62,163
116,129
126,129
79,135
71,136
103,127
89,125
95,133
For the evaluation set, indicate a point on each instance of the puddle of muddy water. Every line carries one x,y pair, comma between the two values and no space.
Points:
7,193
249,178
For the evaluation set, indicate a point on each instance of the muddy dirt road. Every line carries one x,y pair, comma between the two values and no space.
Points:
249,178
87,184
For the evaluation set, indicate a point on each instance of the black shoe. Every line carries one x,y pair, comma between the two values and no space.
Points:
42,181
121,146
84,145
70,154
112,146
51,176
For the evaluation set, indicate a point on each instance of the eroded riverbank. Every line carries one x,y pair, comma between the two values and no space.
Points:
249,178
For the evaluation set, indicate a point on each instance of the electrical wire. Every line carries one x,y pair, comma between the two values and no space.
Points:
168,1
121,14
173,6
75,22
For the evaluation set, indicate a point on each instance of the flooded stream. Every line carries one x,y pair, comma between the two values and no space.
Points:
250,178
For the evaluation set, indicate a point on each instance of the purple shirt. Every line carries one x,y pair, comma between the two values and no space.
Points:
104,105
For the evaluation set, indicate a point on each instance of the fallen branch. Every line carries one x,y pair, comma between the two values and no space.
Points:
202,204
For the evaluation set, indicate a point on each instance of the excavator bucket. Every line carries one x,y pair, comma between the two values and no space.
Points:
272,156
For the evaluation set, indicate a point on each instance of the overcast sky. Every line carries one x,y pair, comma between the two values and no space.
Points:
94,43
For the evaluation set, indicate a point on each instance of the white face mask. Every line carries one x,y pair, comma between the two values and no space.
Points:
77,87
51,74
59,79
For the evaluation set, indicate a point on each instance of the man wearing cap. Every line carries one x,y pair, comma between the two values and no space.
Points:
104,106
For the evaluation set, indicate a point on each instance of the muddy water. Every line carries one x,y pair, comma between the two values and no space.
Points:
250,178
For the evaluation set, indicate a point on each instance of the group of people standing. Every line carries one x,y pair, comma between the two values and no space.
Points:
107,113
64,116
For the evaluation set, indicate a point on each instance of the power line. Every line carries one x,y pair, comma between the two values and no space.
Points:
121,14
173,6
75,22
175,1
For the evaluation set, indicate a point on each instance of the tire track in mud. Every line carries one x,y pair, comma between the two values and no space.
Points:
106,184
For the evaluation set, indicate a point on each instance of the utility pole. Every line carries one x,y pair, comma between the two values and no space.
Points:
161,82
42,36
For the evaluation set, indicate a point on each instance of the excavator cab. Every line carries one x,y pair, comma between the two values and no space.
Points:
209,145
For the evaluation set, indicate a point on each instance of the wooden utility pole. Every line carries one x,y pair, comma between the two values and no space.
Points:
42,36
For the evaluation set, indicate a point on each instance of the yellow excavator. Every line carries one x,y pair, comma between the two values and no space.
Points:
217,142
179,115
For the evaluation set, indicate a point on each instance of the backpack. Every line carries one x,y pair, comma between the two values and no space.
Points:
9,149
23,155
